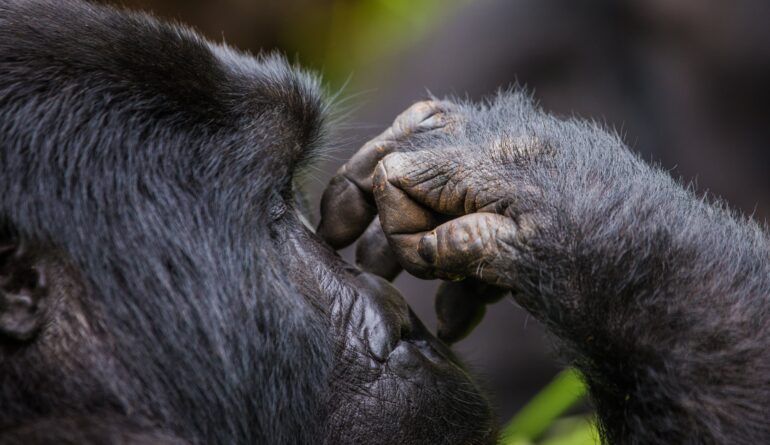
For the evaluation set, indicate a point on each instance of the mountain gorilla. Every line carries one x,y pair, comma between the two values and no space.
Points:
158,285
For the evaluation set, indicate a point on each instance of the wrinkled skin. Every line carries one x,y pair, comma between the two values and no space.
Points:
659,297
442,216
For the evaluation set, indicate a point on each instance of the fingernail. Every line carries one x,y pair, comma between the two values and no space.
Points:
427,248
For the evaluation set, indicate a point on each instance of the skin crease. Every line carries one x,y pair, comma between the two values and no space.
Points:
659,297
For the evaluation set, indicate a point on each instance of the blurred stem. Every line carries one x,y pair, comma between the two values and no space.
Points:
362,33
539,414
582,431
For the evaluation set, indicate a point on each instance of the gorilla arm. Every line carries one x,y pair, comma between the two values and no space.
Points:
659,298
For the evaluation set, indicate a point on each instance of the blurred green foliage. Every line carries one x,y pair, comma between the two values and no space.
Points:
540,421
351,34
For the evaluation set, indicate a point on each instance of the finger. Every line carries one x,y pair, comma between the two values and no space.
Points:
403,221
470,245
477,245
431,178
423,116
447,181
419,118
345,212
454,250
374,255
346,204
460,306
360,167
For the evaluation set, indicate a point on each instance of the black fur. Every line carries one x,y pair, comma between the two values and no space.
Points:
124,142
661,298
149,172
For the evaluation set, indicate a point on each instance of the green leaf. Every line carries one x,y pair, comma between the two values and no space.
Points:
540,413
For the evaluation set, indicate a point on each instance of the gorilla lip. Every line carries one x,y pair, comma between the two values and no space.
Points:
366,309
388,321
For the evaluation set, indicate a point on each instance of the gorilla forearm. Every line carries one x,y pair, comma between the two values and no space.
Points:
660,297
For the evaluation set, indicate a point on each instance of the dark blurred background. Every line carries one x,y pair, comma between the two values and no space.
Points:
684,81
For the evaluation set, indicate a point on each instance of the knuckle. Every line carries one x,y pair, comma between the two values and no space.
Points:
422,106
422,116
383,148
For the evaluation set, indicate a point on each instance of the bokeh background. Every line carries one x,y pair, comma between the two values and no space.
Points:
685,82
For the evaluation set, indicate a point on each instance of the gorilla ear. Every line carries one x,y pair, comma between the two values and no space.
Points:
22,293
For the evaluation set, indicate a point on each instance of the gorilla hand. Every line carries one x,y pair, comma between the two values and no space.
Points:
445,209
348,206
445,215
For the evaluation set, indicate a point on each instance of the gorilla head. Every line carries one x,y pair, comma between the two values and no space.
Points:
158,284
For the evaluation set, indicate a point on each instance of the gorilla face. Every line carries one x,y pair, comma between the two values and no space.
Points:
155,275
393,381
